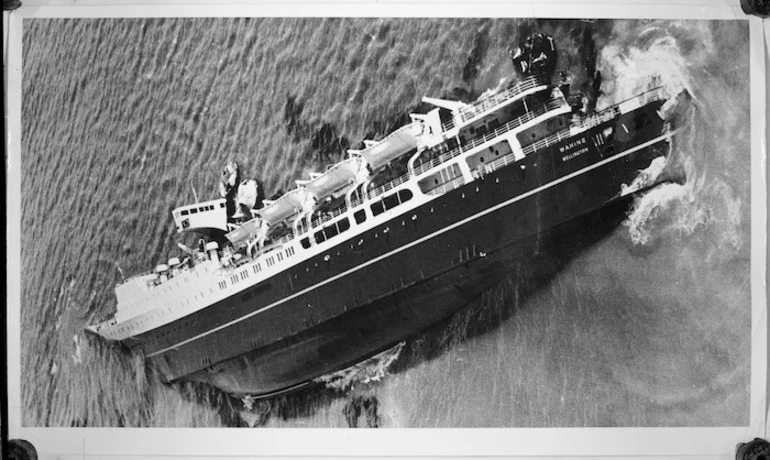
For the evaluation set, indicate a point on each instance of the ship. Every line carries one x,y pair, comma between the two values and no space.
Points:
395,238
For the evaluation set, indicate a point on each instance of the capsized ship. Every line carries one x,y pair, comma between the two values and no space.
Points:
389,241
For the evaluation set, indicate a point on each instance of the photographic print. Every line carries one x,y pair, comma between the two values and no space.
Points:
385,222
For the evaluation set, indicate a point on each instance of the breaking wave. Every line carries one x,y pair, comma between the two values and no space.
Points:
664,55
371,370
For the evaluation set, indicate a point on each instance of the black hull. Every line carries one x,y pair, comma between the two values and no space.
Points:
388,284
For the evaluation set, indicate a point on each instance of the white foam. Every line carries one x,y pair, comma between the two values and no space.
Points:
77,357
371,370
646,177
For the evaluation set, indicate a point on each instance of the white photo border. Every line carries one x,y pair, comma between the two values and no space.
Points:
473,443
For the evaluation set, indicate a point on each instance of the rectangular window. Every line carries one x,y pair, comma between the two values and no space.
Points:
404,195
343,225
305,242
320,237
390,201
193,211
185,212
360,216
378,208
330,231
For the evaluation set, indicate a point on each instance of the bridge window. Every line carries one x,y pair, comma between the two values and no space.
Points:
305,242
194,211
185,212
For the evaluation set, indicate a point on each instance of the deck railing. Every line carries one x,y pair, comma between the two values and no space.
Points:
551,105
390,185
594,120
546,141
486,168
486,103
328,215
455,183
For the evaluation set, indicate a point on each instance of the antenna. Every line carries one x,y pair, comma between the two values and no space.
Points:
193,189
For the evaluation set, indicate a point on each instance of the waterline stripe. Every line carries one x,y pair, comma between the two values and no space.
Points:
423,239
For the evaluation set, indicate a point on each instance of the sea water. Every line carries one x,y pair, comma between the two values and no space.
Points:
121,118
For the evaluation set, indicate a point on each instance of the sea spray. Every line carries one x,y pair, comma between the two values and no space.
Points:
77,354
655,59
646,177
633,66
649,206
370,370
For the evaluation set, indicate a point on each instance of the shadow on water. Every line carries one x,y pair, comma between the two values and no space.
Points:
550,253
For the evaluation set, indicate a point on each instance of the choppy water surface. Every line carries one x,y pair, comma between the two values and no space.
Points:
648,326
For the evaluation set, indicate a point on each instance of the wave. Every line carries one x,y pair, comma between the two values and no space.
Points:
371,370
